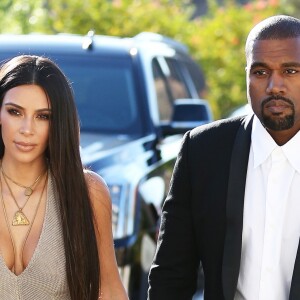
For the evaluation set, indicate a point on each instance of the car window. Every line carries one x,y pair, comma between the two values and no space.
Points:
197,77
163,95
105,94
176,80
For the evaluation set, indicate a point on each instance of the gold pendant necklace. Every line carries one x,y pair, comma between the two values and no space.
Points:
29,229
19,217
28,189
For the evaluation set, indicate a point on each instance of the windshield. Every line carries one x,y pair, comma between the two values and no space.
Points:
105,94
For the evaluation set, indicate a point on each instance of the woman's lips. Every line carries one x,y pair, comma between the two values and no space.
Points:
25,147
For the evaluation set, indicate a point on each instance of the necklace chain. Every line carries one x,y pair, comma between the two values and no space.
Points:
29,229
19,216
28,189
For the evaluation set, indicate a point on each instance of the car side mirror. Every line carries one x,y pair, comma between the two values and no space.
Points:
187,114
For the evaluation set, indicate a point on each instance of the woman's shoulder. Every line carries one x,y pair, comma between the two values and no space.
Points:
94,179
97,187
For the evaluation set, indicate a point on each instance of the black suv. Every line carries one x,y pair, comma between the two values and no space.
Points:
135,98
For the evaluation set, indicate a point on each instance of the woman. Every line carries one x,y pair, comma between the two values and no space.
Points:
55,218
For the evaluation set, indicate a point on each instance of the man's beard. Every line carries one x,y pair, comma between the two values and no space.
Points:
276,122
280,123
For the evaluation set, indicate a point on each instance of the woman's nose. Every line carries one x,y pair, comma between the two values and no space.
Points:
27,127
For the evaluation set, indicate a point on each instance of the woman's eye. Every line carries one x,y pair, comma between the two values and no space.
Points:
44,116
14,112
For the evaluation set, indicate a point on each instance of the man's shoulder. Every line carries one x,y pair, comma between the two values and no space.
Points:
219,128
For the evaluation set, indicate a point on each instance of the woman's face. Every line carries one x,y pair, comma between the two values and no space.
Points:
24,118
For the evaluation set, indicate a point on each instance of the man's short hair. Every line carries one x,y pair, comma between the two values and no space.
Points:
273,28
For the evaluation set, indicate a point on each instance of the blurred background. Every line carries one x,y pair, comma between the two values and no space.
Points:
214,30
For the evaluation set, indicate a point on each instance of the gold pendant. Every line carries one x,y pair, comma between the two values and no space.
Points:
28,191
20,219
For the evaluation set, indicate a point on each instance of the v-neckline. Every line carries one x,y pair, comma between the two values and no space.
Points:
35,252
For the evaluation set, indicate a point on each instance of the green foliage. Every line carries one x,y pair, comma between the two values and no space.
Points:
292,7
218,43
17,16
119,18
216,40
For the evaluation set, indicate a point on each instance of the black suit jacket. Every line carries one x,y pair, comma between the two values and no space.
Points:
202,217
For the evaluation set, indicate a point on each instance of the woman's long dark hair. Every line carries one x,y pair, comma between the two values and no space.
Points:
82,263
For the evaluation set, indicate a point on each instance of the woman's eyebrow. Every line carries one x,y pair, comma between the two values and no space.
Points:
13,104
20,107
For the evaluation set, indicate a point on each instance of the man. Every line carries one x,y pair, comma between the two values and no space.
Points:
234,199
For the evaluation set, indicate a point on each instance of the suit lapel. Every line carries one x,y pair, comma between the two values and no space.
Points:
234,208
295,285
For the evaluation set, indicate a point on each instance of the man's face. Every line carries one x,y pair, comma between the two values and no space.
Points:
273,84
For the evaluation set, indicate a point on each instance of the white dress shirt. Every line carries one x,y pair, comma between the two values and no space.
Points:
271,227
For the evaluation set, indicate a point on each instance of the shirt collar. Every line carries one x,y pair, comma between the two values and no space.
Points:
263,145
291,151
